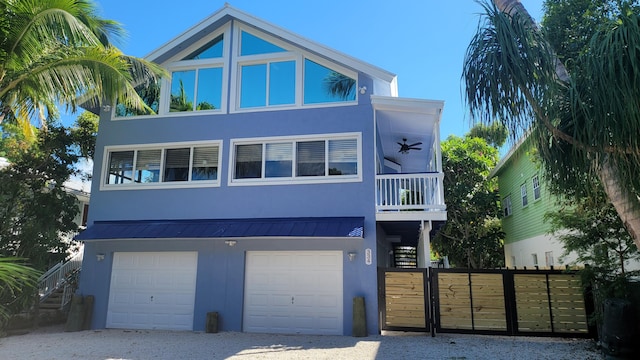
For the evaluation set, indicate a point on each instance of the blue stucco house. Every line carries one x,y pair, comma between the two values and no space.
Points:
271,181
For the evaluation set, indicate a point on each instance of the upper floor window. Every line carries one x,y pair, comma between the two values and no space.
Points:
197,89
153,165
196,80
273,74
268,84
150,95
506,206
213,49
253,45
323,85
536,187
523,195
254,71
301,159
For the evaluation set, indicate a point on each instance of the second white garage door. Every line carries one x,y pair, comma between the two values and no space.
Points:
293,292
152,290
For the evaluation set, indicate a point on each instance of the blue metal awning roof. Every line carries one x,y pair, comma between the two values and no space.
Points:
227,228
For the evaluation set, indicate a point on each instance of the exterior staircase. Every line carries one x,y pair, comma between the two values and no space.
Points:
56,286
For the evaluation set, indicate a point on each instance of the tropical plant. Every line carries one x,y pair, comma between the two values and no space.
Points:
591,229
585,124
60,52
340,86
472,236
35,209
17,283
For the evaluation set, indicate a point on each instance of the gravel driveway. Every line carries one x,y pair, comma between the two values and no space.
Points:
53,343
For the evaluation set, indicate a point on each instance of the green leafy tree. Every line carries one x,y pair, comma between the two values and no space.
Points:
584,118
472,236
495,134
84,133
60,52
35,209
591,229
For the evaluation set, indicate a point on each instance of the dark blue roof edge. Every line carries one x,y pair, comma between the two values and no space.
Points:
350,227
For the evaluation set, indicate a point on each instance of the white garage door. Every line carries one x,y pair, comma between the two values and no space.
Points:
152,290
293,292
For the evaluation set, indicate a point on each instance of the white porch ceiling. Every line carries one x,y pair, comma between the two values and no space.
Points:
411,119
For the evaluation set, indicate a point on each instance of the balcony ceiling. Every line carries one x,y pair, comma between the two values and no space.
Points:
411,119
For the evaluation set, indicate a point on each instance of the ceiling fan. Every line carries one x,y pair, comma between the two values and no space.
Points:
404,147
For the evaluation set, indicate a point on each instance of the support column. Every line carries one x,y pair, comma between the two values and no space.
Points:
424,245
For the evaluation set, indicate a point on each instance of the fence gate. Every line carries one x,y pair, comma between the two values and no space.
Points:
404,299
505,302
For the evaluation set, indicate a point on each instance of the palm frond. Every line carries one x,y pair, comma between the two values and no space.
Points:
15,278
508,71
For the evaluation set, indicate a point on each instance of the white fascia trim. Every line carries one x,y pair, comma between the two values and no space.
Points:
407,104
278,32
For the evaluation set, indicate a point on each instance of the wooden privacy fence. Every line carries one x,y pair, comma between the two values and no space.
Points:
508,302
405,295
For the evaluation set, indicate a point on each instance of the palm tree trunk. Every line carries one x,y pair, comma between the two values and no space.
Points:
626,204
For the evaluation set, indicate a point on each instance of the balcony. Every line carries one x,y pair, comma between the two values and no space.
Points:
417,196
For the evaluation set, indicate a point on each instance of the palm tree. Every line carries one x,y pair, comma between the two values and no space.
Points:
60,52
17,281
585,124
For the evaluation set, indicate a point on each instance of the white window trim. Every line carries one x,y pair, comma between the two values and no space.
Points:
507,205
524,195
176,64
292,53
159,185
533,185
294,180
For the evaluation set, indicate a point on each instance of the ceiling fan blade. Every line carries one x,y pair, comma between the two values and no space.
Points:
401,144
416,144
415,148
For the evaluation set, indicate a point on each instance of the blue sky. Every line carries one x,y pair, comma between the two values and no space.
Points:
421,41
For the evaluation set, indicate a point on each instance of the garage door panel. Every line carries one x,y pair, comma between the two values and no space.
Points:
152,290
305,300
143,279
327,301
297,289
280,300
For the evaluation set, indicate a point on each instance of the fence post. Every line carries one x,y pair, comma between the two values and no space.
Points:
432,303
508,283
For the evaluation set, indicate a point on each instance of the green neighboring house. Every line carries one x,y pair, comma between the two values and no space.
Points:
525,200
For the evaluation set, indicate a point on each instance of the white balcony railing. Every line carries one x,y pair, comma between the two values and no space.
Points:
60,276
410,192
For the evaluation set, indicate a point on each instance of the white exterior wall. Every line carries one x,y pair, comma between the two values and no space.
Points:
522,252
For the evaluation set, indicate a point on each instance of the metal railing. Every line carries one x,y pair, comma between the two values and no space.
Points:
410,192
61,275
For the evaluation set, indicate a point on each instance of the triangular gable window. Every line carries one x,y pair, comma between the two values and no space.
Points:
253,45
210,51
324,85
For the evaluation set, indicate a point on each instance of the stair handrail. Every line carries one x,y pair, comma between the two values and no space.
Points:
55,277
